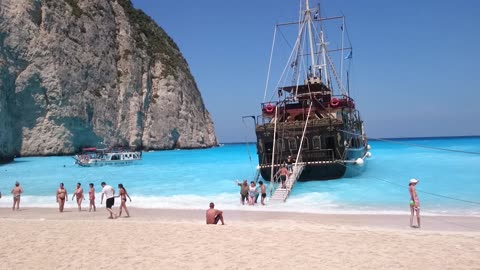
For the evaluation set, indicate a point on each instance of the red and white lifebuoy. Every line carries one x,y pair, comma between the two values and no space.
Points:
269,108
334,102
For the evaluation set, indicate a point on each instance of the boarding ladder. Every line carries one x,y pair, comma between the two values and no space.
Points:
281,194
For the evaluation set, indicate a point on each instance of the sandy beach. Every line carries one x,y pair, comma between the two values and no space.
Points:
42,238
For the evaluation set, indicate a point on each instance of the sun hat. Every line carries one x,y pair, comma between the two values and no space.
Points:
413,181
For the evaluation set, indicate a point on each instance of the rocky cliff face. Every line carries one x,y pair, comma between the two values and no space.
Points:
77,73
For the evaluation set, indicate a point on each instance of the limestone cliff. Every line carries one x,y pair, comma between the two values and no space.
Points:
77,73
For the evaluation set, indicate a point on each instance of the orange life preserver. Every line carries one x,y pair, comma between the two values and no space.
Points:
334,102
269,108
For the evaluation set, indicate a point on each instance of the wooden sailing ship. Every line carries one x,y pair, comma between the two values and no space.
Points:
314,120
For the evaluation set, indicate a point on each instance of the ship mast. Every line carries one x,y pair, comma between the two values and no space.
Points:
308,17
323,46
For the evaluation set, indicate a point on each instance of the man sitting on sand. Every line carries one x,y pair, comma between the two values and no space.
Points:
214,215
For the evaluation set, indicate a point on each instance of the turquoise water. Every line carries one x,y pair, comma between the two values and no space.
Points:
190,179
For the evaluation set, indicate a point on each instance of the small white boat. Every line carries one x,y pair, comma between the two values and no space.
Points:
91,157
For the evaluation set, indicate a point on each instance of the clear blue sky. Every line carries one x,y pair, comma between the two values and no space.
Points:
415,67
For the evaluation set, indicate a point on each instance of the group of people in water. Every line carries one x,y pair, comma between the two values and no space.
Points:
250,193
78,195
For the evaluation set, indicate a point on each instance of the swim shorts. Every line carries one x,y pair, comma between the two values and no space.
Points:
110,202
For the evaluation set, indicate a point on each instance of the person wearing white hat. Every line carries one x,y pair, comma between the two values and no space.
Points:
414,202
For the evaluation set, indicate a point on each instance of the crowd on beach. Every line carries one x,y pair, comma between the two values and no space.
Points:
248,194
78,195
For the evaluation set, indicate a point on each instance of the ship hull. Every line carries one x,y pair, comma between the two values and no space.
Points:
99,163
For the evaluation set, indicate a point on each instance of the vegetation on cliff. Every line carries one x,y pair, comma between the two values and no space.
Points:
148,35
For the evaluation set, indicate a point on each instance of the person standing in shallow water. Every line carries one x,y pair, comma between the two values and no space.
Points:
91,195
263,192
61,197
16,192
243,191
414,203
79,193
252,190
123,200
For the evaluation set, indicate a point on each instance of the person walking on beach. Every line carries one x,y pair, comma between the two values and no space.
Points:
243,191
263,191
61,197
213,215
91,195
79,193
16,192
414,202
108,192
123,200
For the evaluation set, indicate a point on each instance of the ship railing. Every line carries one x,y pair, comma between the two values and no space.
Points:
275,184
305,157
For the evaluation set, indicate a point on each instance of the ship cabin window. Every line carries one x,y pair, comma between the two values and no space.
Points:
260,146
317,142
305,143
355,142
330,142
280,145
115,157
268,147
292,144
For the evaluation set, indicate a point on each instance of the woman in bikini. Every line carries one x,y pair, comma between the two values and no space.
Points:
79,193
61,197
16,191
91,195
414,203
123,199
252,190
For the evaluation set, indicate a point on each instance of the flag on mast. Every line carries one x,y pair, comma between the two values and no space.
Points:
349,56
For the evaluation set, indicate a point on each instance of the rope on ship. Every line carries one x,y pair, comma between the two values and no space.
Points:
416,145
421,191
248,145
426,192
424,146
